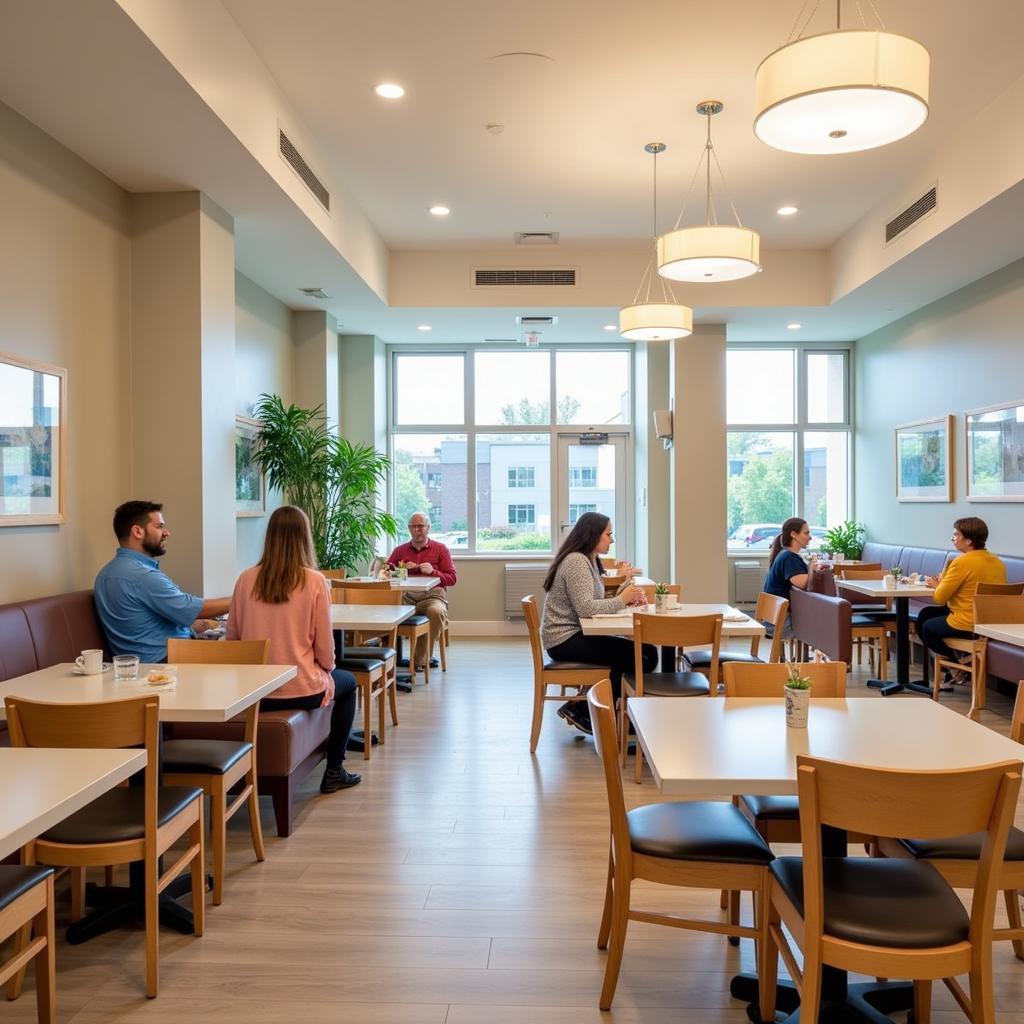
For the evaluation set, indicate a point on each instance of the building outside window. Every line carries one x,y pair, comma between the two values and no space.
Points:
521,476
582,476
575,511
522,515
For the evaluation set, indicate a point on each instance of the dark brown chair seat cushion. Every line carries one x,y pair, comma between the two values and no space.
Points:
773,808
572,666
119,815
381,653
963,847
18,879
881,902
359,664
708,830
702,659
673,684
414,620
206,757
863,620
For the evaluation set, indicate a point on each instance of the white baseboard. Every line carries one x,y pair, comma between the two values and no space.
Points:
488,627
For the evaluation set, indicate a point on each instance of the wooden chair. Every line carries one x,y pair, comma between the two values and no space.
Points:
333,574
675,589
989,608
26,905
156,817
975,649
565,675
677,844
958,860
385,647
667,631
866,628
217,766
923,931
770,609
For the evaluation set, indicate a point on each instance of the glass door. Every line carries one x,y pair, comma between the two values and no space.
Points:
593,477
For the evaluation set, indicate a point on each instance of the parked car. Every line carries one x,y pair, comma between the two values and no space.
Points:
761,535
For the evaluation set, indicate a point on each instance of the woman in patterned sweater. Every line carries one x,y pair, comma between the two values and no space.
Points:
575,591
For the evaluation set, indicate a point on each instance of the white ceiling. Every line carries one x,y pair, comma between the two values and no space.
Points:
571,156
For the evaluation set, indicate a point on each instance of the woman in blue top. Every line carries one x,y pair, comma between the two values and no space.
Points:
786,569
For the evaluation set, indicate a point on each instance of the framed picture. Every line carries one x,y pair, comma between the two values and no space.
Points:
250,487
995,452
924,460
33,411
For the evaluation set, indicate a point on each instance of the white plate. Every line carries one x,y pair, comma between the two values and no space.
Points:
79,671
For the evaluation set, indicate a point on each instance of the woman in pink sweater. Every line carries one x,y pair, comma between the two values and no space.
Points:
286,599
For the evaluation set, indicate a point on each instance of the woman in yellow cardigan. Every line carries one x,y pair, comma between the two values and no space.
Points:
953,615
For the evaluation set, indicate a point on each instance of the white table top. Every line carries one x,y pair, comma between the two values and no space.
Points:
369,616
622,625
877,588
410,583
718,746
640,581
203,693
1010,632
40,786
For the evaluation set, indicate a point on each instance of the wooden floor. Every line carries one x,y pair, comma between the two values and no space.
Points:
460,883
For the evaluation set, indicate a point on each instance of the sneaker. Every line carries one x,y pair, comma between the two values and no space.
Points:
957,677
570,712
337,778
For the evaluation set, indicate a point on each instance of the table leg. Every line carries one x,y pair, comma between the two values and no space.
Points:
902,681
668,659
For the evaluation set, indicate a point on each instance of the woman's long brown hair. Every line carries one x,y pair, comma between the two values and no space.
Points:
287,553
784,539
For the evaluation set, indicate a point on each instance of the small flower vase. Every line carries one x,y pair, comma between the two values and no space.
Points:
403,573
888,580
660,603
797,704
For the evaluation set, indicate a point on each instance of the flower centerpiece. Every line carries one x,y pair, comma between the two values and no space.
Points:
798,698
897,573
660,597
403,571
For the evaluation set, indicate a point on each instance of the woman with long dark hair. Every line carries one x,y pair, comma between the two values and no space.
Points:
285,598
786,569
575,591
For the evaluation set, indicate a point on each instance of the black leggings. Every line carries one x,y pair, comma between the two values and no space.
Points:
614,651
342,713
934,630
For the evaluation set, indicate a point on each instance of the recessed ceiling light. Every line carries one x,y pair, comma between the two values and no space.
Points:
440,211
389,91
793,327
424,327
786,211
609,327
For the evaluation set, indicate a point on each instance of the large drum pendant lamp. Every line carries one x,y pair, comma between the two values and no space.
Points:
842,91
651,320
711,251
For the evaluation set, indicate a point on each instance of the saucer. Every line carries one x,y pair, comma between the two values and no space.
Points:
79,671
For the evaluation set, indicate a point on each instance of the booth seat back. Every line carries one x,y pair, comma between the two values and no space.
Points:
823,622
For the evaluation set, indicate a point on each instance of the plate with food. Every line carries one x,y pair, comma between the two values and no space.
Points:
163,676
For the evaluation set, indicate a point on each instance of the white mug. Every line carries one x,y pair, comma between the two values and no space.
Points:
671,601
90,662
888,580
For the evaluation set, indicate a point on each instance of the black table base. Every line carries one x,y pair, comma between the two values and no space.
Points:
868,1002
902,683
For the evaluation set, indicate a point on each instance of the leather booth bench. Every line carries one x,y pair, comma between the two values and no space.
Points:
48,630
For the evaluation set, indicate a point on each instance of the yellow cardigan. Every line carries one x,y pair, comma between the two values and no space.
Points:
960,579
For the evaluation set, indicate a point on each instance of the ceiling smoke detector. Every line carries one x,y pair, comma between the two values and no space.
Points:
532,339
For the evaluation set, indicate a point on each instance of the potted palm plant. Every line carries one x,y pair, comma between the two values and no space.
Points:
332,480
846,540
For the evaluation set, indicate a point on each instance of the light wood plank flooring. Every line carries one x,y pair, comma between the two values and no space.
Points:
461,883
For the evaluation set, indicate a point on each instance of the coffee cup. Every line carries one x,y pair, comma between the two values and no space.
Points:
889,580
671,601
90,662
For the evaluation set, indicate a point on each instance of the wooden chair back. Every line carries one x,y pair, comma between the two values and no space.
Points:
773,610
348,595
838,568
602,719
675,631
363,584
860,572
998,608
532,616
217,652
675,589
828,678
333,574
1007,589
891,803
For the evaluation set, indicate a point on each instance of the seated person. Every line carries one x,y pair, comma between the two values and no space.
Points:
955,586
140,607
786,569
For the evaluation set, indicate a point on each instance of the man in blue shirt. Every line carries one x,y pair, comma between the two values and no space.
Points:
139,606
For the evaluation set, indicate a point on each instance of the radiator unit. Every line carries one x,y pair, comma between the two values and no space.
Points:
747,582
522,578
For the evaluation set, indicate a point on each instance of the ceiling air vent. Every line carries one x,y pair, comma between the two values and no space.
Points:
536,321
536,238
911,215
302,169
524,278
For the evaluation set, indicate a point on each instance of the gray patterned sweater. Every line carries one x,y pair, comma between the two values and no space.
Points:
577,593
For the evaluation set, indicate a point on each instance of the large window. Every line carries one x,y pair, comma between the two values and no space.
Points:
473,436
788,440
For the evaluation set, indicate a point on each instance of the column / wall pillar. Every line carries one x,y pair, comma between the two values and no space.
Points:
315,334
182,351
698,477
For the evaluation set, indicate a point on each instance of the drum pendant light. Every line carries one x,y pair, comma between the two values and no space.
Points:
653,320
842,91
712,251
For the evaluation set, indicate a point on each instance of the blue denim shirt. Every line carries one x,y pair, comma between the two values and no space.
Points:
140,607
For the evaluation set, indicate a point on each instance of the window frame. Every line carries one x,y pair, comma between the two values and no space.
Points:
471,429
515,482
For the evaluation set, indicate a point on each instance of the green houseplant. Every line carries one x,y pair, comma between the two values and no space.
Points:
846,539
660,597
333,481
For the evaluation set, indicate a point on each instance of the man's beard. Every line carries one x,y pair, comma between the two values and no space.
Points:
155,549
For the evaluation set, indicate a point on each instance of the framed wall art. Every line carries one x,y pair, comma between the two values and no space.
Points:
924,460
33,412
250,487
995,452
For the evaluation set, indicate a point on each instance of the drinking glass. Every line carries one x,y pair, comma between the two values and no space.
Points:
126,667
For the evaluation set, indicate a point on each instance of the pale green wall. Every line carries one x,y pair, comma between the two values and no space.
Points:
962,352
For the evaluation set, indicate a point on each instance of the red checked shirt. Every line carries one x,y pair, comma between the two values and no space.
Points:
435,553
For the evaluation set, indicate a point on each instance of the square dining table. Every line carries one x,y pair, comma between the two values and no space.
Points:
719,747
409,583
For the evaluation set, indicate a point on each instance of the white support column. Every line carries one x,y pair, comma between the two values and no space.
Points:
315,333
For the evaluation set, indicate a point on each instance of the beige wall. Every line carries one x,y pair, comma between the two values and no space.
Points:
963,352
64,280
